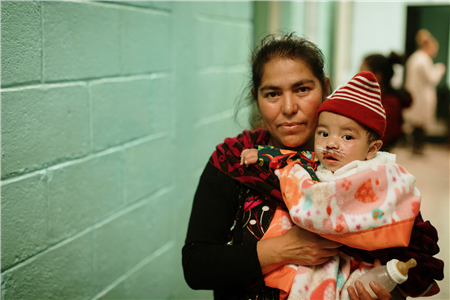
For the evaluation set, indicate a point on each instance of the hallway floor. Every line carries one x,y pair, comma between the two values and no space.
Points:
432,179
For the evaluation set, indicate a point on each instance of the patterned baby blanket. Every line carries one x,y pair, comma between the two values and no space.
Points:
371,209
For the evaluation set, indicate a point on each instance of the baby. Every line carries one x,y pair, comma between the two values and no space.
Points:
363,200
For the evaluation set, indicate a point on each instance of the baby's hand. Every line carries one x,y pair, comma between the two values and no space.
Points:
249,156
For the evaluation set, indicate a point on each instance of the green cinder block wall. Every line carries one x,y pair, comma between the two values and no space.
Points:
109,112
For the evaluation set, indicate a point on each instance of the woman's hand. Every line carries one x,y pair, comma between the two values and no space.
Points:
249,157
296,246
381,293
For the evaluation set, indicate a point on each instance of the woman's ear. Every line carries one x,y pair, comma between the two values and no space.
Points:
373,149
253,93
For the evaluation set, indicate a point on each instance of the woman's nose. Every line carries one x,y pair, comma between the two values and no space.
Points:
290,106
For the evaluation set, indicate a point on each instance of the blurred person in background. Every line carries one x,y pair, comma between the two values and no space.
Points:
393,100
422,77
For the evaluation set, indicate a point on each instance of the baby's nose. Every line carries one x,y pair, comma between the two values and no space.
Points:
332,144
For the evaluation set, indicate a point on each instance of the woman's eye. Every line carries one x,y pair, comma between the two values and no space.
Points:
323,134
271,95
348,137
303,89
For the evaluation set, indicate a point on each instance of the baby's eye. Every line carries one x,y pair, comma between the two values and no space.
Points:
348,137
323,134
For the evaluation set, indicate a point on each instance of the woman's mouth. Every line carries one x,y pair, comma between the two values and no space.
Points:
290,125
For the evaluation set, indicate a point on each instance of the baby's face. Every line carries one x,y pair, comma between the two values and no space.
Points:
340,140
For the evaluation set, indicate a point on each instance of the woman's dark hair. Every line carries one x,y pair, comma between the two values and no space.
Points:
384,65
285,46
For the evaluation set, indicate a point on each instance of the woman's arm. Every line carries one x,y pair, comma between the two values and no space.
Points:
208,262
296,246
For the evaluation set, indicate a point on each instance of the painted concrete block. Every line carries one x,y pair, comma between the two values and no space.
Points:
21,42
43,125
231,40
138,285
162,105
141,233
229,86
140,115
125,241
111,252
148,168
24,218
83,193
63,272
145,41
230,9
121,111
81,40
149,228
117,292
161,5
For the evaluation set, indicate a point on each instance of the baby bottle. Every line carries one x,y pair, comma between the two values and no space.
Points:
388,276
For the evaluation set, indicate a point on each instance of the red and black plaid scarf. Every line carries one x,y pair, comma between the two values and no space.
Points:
423,245
227,158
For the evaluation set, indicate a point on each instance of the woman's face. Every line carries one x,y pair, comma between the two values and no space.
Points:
288,99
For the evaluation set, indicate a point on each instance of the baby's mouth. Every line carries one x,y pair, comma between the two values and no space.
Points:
330,157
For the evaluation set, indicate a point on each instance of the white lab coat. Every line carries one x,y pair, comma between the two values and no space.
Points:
422,77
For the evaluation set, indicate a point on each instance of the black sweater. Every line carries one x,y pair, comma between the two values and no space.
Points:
208,262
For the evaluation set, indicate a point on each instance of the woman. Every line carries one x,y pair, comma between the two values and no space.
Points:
421,78
394,101
288,85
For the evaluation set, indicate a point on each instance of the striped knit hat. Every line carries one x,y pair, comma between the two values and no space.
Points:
360,100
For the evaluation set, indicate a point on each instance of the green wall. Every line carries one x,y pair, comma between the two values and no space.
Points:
109,112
